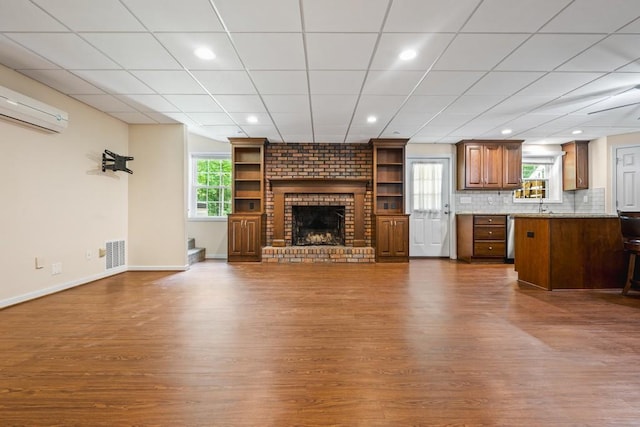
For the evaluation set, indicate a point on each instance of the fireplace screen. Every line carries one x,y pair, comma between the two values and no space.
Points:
318,225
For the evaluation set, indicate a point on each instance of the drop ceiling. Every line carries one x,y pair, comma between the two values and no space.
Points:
323,70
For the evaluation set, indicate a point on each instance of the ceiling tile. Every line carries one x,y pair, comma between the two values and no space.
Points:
363,16
473,104
336,82
170,82
243,119
137,51
107,103
64,81
161,118
594,16
545,52
222,132
448,82
103,15
520,104
171,15
194,103
226,82
292,123
333,109
609,84
20,15
281,82
391,82
478,51
133,118
241,103
506,16
558,84
65,50
608,55
258,131
15,56
260,15
339,51
183,45
212,119
286,103
148,103
379,105
427,46
429,15
428,104
270,51
503,83
114,81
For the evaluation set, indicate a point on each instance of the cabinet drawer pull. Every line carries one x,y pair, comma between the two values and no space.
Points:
490,248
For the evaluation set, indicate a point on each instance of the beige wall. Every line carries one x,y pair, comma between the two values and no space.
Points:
209,234
56,202
157,197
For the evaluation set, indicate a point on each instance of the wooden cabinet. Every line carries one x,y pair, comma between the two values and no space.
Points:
481,237
392,238
245,224
575,165
391,234
245,237
489,165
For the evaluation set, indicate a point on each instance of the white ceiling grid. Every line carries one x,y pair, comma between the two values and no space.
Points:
317,70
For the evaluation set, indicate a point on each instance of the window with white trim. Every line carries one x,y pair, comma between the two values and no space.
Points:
541,179
210,186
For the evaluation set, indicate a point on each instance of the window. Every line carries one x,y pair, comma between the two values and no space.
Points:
210,186
541,179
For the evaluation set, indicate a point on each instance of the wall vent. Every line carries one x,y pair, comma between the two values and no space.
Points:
115,254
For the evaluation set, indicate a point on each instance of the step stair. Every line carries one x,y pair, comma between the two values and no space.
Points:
195,254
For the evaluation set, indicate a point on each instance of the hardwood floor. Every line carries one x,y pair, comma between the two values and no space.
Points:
432,342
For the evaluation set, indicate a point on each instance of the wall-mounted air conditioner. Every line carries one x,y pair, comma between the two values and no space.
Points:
20,108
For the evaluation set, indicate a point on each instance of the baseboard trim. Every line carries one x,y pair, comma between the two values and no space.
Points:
59,288
159,267
216,256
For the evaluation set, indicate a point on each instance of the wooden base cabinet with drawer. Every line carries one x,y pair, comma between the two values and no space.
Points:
481,238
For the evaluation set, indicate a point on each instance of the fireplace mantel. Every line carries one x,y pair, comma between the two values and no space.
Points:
282,186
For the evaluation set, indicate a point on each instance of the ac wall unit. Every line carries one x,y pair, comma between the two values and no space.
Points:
22,109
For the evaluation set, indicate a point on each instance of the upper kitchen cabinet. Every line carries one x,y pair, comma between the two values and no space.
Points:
489,165
575,165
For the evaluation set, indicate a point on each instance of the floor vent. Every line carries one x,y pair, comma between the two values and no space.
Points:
115,254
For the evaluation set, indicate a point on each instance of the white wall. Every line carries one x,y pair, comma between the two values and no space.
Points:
157,198
56,202
209,234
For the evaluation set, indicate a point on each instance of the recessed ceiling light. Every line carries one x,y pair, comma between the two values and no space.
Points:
372,119
408,54
204,53
252,119
506,131
577,132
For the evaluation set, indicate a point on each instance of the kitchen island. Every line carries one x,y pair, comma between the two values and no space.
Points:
569,251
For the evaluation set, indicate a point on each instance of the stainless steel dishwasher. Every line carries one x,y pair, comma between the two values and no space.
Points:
511,250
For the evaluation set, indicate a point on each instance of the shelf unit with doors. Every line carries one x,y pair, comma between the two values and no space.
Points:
391,224
246,222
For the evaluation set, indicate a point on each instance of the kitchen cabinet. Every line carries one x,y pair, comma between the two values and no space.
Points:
575,165
489,165
392,238
391,223
481,238
245,237
569,251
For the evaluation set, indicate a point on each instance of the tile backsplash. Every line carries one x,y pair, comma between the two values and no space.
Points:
580,201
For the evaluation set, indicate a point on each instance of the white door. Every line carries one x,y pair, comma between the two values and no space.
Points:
628,179
429,207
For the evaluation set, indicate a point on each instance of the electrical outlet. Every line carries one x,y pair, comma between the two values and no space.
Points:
585,199
56,268
89,255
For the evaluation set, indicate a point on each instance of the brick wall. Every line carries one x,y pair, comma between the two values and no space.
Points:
322,161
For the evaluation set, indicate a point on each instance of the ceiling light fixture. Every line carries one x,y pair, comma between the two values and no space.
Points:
408,54
252,119
204,53
506,131
576,132
372,119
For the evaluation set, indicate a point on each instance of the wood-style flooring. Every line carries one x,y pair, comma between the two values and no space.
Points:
432,342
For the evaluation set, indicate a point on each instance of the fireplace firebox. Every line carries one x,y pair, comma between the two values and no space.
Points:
318,225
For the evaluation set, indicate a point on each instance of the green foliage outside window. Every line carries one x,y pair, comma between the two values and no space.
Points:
212,185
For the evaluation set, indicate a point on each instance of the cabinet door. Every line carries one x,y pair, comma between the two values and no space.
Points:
384,236
400,236
473,154
235,236
492,166
582,165
512,165
251,237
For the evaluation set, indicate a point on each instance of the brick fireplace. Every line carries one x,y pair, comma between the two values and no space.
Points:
303,174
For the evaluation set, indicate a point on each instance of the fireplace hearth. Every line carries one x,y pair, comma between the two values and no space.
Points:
318,225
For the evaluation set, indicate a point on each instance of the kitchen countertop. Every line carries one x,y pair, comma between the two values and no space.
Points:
563,215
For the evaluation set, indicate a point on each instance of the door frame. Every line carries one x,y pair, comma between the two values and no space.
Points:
453,250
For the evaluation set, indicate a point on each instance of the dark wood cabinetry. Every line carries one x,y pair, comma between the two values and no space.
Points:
489,165
481,237
391,234
392,238
246,221
575,165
